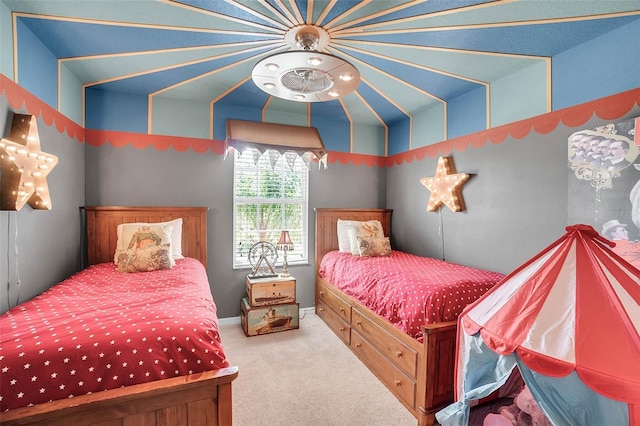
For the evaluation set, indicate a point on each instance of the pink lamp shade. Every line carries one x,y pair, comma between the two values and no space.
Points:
285,242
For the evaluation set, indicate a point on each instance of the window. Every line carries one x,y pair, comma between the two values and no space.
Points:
266,201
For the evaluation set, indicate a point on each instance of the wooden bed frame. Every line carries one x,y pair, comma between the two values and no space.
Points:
420,375
202,399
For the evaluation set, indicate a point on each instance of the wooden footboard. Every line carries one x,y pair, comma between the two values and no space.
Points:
202,399
440,356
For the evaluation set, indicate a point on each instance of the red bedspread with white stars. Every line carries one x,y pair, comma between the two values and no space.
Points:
102,329
405,289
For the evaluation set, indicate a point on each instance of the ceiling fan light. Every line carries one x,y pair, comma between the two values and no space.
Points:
306,75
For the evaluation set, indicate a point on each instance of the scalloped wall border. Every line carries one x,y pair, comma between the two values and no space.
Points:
607,108
19,98
159,142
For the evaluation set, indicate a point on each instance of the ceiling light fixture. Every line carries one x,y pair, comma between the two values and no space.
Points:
306,74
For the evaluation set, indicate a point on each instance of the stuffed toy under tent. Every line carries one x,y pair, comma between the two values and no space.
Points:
569,319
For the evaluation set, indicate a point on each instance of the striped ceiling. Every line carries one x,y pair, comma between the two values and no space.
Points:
412,54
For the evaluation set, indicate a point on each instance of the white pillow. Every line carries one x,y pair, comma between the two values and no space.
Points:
370,229
344,243
175,240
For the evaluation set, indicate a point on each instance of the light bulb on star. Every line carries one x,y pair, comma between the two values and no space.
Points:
445,186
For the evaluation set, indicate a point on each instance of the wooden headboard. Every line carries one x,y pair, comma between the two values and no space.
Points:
327,223
102,223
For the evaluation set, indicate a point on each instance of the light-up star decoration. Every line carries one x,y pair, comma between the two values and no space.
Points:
24,167
445,186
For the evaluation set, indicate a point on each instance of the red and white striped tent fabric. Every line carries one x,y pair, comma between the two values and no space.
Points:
574,307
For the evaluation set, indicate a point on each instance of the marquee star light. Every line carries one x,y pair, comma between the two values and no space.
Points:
445,186
24,167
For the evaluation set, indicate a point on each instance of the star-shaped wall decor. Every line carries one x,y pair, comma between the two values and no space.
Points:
24,167
445,186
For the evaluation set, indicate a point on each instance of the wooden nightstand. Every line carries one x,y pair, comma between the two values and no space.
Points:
270,305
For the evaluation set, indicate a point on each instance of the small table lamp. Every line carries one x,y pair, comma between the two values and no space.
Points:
285,244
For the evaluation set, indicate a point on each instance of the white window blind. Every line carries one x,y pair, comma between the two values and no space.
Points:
267,201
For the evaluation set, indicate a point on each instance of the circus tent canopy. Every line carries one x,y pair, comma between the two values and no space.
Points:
570,319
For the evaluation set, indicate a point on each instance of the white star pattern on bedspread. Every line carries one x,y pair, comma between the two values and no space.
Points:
408,290
102,329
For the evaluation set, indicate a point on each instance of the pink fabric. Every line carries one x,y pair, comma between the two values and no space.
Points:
524,411
408,290
102,329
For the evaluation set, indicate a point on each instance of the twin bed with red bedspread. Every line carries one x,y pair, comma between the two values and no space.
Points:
396,311
112,347
102,329
408,291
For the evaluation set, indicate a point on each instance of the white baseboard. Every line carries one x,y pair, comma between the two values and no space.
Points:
236,320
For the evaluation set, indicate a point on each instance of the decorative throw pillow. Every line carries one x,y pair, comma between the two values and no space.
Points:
145,259
371,228
371,246
136,236
175,235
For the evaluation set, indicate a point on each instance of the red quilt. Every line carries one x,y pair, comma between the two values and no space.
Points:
102,329
405,289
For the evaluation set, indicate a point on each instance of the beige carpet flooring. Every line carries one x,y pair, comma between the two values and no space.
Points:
305,376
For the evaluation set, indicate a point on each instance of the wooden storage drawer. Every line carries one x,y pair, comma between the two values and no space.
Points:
395,379
400,354
334,321
270,291
339,305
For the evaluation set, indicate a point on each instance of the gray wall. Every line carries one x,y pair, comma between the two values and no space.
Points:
129,176
47,243
516,201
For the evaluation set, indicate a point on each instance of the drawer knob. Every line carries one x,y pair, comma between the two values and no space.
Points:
320,309
342,309
322,294
397,382
341,328
358,345
399,354
358,322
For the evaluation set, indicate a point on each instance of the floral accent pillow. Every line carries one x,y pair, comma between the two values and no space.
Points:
171,233
371,229
371,246
142,236
145,259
